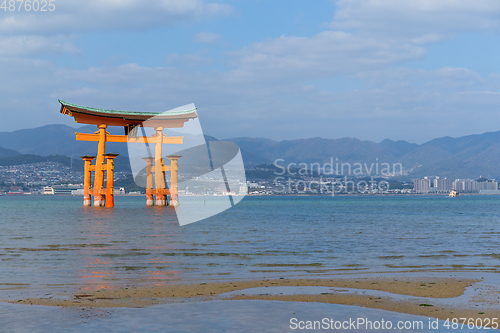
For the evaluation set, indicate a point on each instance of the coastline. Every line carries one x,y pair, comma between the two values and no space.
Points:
424,296
268,195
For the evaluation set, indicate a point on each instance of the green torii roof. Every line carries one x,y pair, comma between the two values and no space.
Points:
131,113
89,115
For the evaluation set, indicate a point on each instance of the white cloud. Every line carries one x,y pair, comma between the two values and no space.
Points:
402,103
428,38
19,46
188,60
326,54
82,16
207,38
416,18
277,88
446,77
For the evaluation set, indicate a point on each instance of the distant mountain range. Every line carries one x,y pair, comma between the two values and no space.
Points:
4,152
469,156
56,140
464,157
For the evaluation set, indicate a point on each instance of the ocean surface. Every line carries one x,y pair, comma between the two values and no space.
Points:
52,243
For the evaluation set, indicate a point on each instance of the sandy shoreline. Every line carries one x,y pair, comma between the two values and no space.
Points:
433,288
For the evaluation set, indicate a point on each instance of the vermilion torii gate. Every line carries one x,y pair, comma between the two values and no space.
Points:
104,162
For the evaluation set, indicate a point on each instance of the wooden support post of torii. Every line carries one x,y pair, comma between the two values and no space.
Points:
149,181
161,198
106,196
87,177
174,179
161,192
99,199
104,163
110,189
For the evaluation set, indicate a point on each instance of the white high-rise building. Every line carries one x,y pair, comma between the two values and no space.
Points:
422,185
490,184
466,185
442,185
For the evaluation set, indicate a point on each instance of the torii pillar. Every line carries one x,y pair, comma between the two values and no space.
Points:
110,189
174,179
99,196
104,163
87,177
161,192
149,181
161,197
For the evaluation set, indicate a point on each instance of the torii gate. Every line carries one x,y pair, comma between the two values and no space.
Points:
104,162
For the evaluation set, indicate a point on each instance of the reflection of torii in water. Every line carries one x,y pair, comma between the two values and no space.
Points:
104,162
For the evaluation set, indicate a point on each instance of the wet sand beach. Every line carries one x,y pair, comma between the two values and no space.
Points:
432,288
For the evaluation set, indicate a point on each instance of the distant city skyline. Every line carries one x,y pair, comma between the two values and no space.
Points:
444,185
402,70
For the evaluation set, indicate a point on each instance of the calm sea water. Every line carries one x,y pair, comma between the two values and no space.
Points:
53,241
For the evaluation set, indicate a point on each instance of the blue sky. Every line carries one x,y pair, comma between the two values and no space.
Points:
371,69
